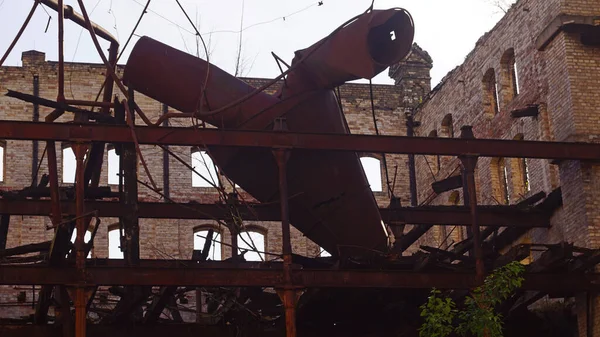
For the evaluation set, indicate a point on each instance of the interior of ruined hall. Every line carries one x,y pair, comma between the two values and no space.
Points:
159,194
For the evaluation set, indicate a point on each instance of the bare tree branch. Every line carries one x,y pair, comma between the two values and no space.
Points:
502,5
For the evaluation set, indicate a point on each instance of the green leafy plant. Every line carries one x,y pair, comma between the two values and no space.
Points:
438,314
478,316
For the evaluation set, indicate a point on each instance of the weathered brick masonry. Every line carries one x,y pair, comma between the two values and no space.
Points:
507,71
166,239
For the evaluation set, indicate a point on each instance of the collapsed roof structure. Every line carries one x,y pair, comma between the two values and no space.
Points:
271,146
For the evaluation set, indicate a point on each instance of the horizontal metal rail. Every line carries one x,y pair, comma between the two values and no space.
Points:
430,215
271,139
196,275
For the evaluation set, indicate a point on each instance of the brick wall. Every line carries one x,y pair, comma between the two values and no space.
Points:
563,80
159,238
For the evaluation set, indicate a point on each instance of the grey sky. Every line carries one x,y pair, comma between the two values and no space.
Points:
447,29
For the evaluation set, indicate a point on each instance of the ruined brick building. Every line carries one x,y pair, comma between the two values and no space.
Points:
176,239
534,76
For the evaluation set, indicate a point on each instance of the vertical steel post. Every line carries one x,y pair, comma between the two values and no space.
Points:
53,177
469,163
80,297
61,54
288,294
130,199
166,182
412,174
35,118
96,157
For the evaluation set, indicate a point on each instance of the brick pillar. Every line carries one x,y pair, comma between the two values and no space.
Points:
32,58
573,109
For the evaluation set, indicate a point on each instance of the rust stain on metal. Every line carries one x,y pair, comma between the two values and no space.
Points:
362,49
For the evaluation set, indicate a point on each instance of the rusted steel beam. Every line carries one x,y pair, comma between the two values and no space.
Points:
266,139
60,105
21,30
459,215
99,330
129,201
196,275
26,249
61,55
434,215
80,300
469,164
70,14
447,184
158,304
287,293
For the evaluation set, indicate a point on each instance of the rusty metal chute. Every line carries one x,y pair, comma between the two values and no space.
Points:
330,199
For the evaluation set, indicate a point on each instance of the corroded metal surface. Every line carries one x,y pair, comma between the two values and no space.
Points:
330,199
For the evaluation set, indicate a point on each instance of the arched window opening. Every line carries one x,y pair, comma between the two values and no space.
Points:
372,168
215,252
69,164
250,241
490,93
2,159
520,174
86,238
113,166
447,128
433,161
500,181
206,175
114,243
510,78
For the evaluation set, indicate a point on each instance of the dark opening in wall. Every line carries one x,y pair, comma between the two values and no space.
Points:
519,174
500,181
509,81
433,161
490,93
447,128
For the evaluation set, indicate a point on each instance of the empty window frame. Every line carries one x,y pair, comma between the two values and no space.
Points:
490,93
510,79
250,241
500,181
372,168
206,173
86,238
215,252
114,243
447,127
69,164
113,166
433,161
2,159
520,173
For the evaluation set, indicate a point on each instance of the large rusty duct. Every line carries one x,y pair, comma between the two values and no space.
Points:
330,199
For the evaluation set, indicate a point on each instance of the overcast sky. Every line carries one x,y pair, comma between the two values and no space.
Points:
447,29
